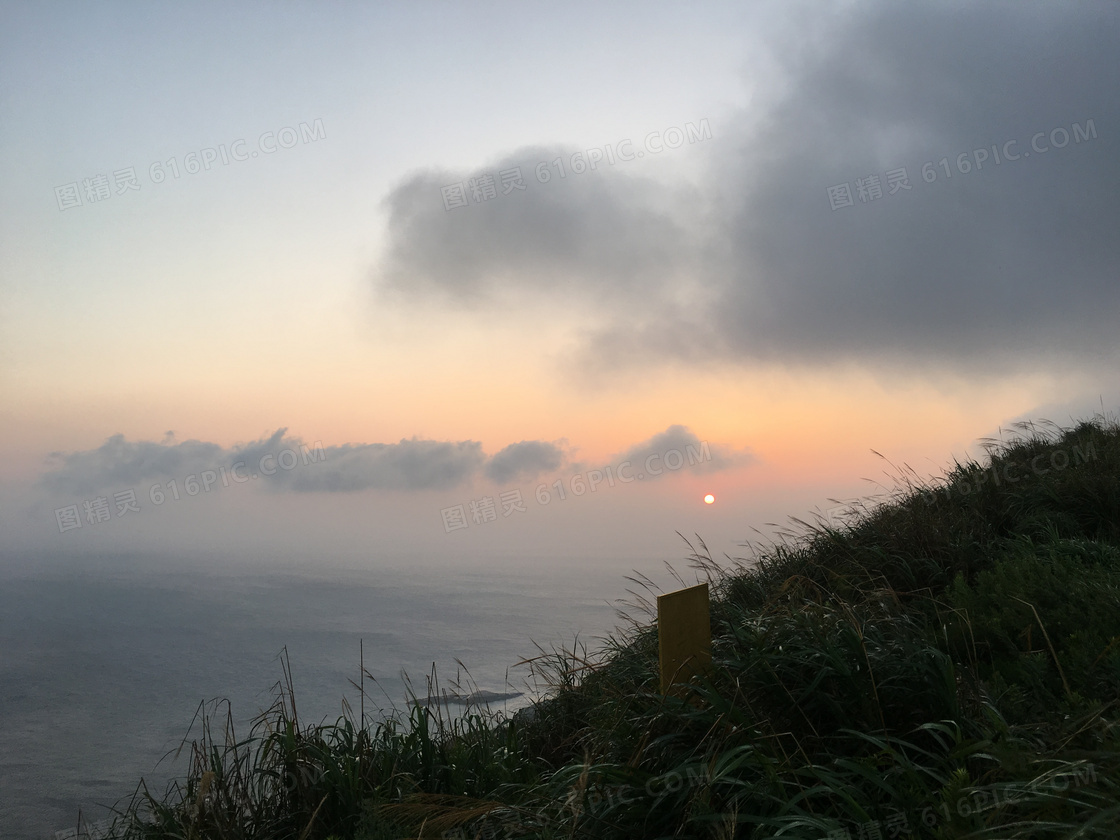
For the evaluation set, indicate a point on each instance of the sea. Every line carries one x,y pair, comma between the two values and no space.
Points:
103,667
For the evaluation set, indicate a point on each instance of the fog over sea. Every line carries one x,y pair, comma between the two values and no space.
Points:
104,661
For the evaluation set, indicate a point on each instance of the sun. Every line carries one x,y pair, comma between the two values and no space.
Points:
709,499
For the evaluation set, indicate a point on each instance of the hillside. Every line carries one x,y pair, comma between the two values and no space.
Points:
945,665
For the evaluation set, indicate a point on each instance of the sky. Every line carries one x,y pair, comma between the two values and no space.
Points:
436,283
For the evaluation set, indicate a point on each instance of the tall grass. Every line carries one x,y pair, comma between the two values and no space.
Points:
945,665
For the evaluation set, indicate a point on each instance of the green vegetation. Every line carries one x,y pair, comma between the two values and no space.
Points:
945,665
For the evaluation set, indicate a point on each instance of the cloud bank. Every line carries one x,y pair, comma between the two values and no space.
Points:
287,463
977,266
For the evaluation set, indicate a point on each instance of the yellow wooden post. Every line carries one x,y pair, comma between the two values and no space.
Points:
684,634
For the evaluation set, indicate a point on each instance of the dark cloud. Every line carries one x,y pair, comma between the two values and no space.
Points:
691,454
284,463
1011,262
1007,267
408,465
120,462
592,234
281,463
524,461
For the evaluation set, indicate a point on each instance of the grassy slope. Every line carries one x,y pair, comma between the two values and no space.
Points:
949,664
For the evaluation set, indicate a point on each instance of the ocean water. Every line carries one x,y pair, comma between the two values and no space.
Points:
101,673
